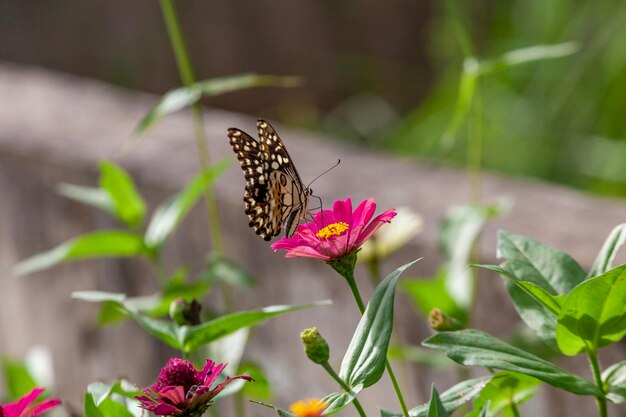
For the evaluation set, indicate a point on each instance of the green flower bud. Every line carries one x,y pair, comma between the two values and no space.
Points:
441,322
185,313
177,311
315,346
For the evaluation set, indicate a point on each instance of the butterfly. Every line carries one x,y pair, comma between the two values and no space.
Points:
275,197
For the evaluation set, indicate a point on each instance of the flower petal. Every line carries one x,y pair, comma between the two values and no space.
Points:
214,372
17,408
375,225
163,409
342,211
221,386
43,406
306,252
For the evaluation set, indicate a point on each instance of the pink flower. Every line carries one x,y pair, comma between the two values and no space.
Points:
24,407
335,233
183,391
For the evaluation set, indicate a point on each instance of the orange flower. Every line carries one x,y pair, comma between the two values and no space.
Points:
313,407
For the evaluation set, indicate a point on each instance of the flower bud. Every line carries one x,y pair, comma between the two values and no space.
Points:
177,311
315,346
441,322
185,313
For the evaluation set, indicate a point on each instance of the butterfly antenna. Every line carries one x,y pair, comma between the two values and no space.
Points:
324,173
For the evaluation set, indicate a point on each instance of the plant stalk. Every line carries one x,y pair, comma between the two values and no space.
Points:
345,386
597,376
187,76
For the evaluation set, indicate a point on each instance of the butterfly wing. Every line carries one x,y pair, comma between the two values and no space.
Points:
275,197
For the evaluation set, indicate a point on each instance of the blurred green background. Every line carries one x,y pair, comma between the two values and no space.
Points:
381,74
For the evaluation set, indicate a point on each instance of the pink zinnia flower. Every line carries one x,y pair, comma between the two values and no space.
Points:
24,407
182,390
335,233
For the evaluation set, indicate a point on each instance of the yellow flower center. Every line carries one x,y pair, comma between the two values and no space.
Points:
333,229
312,407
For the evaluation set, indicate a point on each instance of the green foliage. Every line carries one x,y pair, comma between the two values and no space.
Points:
180,98
337,401
189,338
504,393
261,390
614,378
451,399
364,361
593,314
476,348
220,269
116,400
91,196
17,379
604,260
168,216
435,407
128,205
452,289
102,244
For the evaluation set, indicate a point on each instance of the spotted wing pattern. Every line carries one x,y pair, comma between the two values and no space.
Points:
274,197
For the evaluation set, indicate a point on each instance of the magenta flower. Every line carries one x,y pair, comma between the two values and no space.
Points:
335,233
24,407
183,391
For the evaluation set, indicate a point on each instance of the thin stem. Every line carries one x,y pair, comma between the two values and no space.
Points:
187,76
475,149
343,385
597,376
348,274
515,410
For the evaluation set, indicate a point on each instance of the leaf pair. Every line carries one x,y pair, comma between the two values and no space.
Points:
119,197
572,311
188,338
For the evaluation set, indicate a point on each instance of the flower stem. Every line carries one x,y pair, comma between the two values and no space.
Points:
597,376
187,76
343,385
345,268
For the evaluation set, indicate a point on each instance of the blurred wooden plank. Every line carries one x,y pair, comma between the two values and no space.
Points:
54,128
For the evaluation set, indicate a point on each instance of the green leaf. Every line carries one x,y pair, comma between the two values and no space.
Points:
486,411
17,379
536,292
452,399
89,406
95,197
223,270
593,314
422,356
458,233
112,408
605,258
614,378
129,206
192,337
189,338
504,392
103,244
529,260
168,216
476,348
115,400
432,293
261,389
110,313
179,98
364,361
337,401
435,407
533,312
528,54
